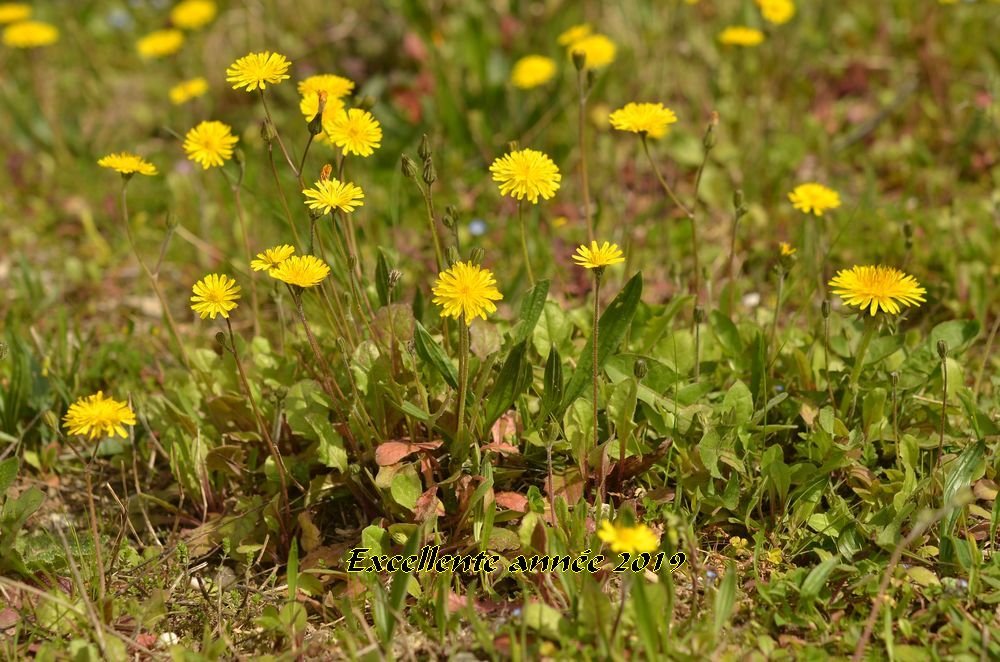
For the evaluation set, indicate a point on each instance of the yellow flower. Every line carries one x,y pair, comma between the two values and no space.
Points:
12,12
629,539
526,174
210,144
598,257
532,70
653,119
127,164
96,417
740,35
30,34
193,14
215,294
258,70
160,43
875,287
355,131
776,11
786,249
301,270
775,556
330,194
335,86
814,198
466,291
187,90
309,105
738,544
598,51
575,34
272,257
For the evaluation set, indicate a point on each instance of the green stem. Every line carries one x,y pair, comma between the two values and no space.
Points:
463,382
596,375
581,81
429,206
851,395
241,216
524,242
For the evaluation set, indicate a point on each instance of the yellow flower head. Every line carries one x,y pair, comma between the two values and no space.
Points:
160,43
526,174
355,131
575,34
598,51
466,291
738,543
215,294
653,119
329,194
814,198
775,556
301,270
532,70
127,164
258,70
272,257
629,539
598,257
193,14
210,144
740,35
11,12
30,34
786,249
96,416
777,12
188,89
882,287
336,87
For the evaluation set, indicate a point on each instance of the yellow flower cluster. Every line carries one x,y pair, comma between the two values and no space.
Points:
596,49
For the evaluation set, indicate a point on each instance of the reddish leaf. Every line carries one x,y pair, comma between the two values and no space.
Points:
428,506
512,501
392,452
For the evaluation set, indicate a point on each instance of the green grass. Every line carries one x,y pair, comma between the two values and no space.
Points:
809,513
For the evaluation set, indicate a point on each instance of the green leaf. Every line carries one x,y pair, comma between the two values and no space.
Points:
292,572
958,334
964,470
513,379
376,540
725,599
738,401
611,330
406,487
8,472
726,333
382,278
553,382
542,618
531,309
432,354
816,580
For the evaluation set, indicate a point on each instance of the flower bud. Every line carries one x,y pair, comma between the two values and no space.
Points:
453,255
708,140
429,174
894,378
220,338
449,219
477,255
395,275
408,167
640,369
424,151
699,314
267,131
942,348
825,308
316,123
513,146
738,200
579,60
907,229
366,102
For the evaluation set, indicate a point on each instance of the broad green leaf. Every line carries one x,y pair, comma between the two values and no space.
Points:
531,309
8,472
382,278
816,580
738,401
726,333
725,599
964,471
612,326
552,387
432,354
510,383
406,487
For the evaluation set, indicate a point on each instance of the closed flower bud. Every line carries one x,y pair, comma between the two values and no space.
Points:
907,229
477,255
429,174
699,314
366,102
267,132
825,308
513,146
579,59
408,167
640,369
453,255
894,378
942,348
316,123
708,141
220,338
424,151
450,217
395,275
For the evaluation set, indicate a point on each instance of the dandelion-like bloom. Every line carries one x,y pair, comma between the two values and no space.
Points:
301,270
598,51
193,14
210,144
11,12
272,257
875,287
598,257
740,35
532,70
186,90
96,416
653,119
160,43
777,12
30,34
356,131
575,34
629,539
215,294
258,70
335,86
786,249
127,164
330,194
814,198
466,289
526,174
